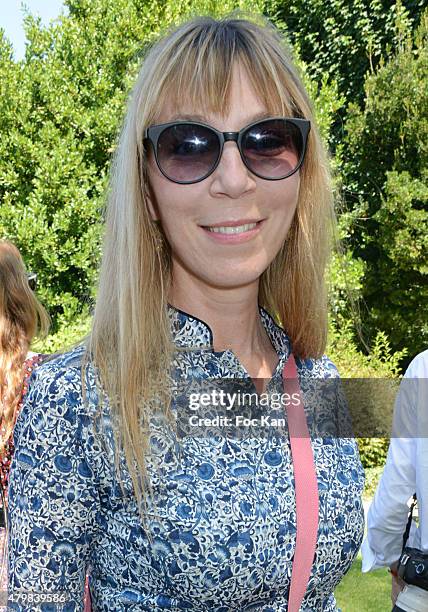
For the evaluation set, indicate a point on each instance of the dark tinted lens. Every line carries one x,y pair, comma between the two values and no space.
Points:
273,148
187,152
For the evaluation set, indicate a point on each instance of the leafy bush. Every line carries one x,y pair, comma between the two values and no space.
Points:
373,451
380,361
385,172
64,338
373,475
343,39
371,397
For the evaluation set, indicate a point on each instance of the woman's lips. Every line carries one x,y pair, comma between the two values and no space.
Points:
241,233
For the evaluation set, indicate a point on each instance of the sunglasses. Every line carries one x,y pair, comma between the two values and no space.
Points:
187,151
32,280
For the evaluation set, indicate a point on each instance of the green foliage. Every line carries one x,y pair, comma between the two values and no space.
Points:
60,110
385,172
379,362
344,276
343,39
370,401
373,475
373,451
65,338
326,99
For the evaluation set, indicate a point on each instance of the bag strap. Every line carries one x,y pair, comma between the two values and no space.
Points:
409,522
87,601
306,489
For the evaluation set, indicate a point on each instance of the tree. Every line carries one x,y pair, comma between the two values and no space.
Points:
344,39
385,172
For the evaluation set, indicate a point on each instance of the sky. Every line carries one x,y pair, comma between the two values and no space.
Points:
11,16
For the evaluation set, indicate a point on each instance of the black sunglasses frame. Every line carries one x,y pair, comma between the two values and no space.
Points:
153,133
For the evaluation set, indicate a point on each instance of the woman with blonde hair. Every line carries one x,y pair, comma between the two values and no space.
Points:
217,235
22,318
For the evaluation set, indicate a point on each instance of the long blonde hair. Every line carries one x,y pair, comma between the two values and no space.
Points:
22,317
130,340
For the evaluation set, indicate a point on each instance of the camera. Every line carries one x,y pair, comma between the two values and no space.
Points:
413,569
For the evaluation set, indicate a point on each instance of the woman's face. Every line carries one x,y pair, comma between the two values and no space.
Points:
230,195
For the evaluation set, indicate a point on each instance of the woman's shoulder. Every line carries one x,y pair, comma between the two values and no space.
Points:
59,413
66,365
56,385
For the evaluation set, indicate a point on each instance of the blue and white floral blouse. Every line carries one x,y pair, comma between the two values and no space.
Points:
222,516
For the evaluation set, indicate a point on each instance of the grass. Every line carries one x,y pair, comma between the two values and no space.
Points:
364,592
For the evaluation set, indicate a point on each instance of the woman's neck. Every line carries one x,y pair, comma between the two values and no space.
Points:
235,322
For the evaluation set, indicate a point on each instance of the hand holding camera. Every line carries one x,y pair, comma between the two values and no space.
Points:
412,571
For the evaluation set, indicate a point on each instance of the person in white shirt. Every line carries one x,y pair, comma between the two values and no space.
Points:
406,472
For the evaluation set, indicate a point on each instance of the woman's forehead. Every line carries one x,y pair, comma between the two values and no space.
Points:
205,103
223,123
189,112
207,117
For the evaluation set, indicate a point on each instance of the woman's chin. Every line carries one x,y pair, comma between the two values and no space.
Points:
232,281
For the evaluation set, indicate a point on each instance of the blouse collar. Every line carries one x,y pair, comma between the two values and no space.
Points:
190,332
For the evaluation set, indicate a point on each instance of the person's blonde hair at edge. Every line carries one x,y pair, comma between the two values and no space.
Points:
22,318
130,341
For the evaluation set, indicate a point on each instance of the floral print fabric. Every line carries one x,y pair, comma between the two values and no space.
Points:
220,525
5,461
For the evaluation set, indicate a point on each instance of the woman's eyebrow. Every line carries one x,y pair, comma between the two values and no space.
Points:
196,117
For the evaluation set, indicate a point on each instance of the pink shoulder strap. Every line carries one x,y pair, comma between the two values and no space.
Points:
306,487
87,602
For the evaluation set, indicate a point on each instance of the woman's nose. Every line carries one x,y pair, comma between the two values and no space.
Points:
231,175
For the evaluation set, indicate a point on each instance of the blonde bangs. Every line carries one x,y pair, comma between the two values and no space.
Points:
197,68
